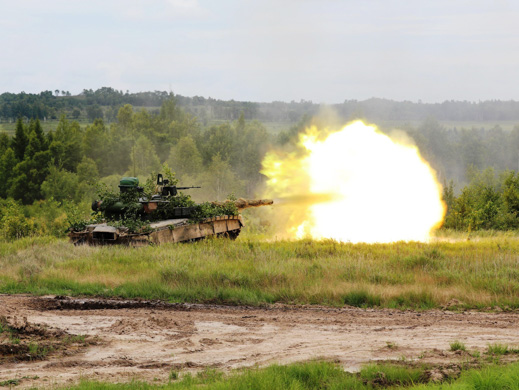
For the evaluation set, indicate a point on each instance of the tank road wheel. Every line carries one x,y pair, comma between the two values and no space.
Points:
232,234
79,241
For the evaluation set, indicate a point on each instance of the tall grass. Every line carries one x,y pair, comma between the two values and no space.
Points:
322,375
479,273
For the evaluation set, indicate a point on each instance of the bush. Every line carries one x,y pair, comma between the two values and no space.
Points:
13,223
457,346
16,226
490,201
49,217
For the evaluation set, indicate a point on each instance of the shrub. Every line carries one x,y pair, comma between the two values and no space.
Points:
497,349
13,223
457,346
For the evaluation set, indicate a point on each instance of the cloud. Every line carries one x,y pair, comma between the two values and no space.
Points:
162,10
186,4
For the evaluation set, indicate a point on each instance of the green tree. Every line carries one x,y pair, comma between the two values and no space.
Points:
94,112
36,144
66,145
219,140
184,125
169,111
60,185
95,145
460,213
122,139
448,197
125,118
87,170
118,159
7,163
35,126
249,150
511,199
88,177
472,149
4,142
28,176
240,126
184,157
144,160
20,140
173,123
218,181
480,204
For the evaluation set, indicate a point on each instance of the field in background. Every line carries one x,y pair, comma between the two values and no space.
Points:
47,126
277,127
457,270
399,124
272,127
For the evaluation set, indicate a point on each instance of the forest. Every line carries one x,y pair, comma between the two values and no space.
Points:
105,102
49,176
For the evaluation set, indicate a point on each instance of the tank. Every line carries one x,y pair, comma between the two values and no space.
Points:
166,216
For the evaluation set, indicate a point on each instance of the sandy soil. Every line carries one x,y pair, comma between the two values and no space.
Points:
146,340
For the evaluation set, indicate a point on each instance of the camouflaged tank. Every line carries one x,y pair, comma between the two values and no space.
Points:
179,226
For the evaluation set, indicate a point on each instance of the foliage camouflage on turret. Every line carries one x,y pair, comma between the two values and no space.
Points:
132,217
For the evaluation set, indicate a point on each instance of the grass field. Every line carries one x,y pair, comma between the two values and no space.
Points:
505,125
323,375
481,272
47,126
272,127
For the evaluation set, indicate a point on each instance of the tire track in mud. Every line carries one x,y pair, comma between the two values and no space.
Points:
139,339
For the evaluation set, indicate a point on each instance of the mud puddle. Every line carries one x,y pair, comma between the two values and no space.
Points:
120,340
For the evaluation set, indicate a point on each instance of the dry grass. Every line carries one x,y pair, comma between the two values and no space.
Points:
479,273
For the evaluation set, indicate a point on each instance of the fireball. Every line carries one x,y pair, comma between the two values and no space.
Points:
354,185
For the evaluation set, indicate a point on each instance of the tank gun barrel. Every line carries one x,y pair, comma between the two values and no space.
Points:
243,204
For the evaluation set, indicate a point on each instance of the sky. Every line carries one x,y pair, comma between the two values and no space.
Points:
326,51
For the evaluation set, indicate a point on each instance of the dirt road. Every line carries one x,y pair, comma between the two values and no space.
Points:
146,340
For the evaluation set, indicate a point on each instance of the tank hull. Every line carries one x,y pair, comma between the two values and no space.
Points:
160,232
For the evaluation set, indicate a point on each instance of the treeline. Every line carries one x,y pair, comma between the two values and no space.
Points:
451,152
489,201
454,152
34,106
105,103
102,103
385,109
